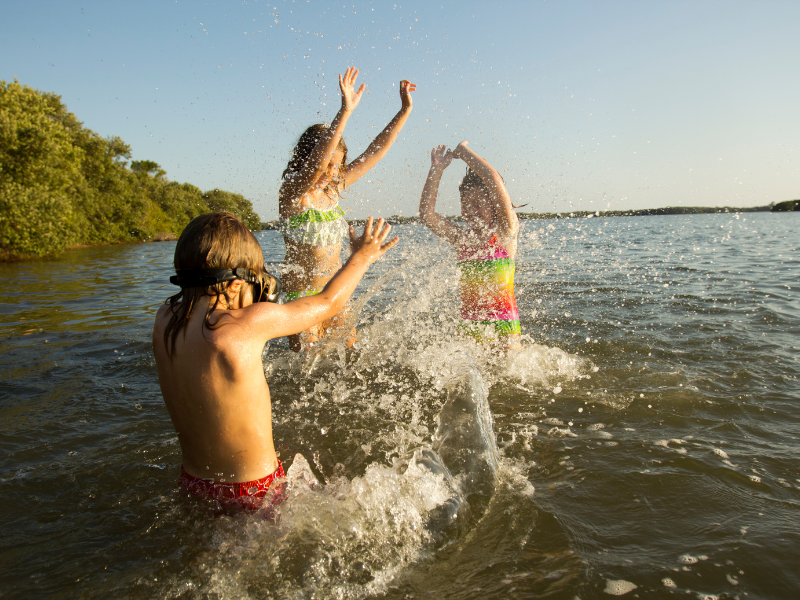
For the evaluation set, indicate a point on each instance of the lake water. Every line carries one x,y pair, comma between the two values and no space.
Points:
647,435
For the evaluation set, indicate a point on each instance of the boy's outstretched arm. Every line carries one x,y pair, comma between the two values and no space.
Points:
494,184
320,157
440,158
299,315
381,144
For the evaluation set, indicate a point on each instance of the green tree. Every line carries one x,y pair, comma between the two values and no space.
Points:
234,203
149,167
39,172
62,184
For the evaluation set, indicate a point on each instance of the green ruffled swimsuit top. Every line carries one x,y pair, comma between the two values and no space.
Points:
316,227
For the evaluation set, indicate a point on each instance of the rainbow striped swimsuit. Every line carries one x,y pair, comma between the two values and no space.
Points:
487,291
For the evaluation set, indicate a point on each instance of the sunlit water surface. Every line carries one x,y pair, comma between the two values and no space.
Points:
646,436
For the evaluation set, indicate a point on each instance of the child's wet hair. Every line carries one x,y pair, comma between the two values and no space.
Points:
212,241
305,146
471,180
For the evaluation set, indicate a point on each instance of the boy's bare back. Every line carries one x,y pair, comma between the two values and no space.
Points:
210,372
217,396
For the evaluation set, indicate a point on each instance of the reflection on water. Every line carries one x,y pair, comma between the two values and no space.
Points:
646,436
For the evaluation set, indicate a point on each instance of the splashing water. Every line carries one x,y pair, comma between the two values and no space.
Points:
681,442
400,432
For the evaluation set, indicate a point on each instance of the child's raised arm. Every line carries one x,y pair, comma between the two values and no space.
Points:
381,144
494,185
440,158
277,320
320,157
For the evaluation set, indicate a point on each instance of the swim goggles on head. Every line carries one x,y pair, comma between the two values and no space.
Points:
267,287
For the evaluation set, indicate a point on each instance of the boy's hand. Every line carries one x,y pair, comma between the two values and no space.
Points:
441,157
370,246
406,87
350,97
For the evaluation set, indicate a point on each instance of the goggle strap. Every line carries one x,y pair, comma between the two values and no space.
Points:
209,277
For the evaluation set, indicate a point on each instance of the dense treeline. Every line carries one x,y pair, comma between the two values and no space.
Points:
63,185
787,206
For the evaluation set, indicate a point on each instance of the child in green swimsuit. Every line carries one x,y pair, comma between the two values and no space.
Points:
312,222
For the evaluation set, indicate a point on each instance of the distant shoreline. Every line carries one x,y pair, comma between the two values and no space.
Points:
787,206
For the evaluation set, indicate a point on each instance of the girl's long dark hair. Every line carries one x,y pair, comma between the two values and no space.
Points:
472,179
212,241
305,146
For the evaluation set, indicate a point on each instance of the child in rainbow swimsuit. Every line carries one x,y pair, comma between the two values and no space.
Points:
312,223
486,247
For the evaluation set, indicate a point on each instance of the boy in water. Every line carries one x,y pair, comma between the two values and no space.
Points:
208,340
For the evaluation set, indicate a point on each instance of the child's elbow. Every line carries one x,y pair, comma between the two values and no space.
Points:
426,217
497,180
333,304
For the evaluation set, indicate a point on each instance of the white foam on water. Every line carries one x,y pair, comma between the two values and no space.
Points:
668,445
668,583
417,326
539,364
353,537
300,474
619,587
561,432
330,536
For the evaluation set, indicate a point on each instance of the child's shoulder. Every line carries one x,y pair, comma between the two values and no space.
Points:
162,312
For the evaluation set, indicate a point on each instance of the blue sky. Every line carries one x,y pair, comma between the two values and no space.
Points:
580,105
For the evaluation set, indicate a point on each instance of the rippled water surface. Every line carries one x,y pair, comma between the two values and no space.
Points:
646,436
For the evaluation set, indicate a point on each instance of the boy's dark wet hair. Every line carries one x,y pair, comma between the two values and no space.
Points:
212,241
305,146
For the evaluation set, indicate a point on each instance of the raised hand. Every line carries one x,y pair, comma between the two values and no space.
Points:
441,157
370,245
406,87
460,149
347,82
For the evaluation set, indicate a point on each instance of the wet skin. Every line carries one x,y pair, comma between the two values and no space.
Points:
318,185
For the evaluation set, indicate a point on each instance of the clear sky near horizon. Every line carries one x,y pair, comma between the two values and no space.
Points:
580,105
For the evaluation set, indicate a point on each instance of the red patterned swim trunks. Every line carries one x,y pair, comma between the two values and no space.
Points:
249,495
